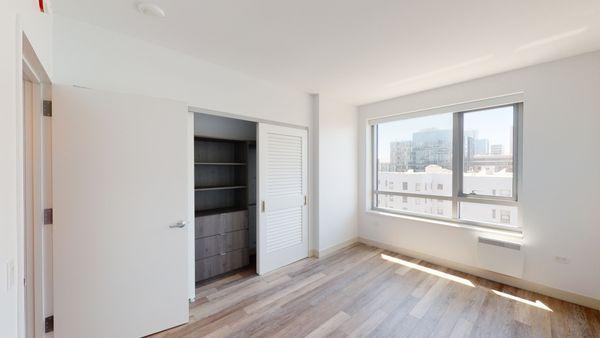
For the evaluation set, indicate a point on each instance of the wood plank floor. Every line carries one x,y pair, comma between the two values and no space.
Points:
364,291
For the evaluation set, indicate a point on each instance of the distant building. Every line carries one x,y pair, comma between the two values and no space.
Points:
400,155
423,166
481,147
427,147
490,163
435,180
431,147
496,149
386,166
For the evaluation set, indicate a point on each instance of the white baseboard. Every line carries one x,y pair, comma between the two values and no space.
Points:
332,249
496,277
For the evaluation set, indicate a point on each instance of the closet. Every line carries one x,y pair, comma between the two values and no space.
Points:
224,195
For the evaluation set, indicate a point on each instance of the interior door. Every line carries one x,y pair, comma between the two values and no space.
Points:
120,180
283,217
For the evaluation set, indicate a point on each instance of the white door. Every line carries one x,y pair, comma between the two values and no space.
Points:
283,216
120,188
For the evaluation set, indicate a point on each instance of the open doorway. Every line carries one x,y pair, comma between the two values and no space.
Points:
35,268
225,168
28,205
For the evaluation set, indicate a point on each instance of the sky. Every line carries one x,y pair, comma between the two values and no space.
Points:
493,124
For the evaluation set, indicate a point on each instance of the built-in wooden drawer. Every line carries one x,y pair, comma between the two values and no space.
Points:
221,223
236,220
215,245
221,263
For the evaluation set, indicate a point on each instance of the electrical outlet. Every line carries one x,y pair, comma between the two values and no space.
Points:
562,260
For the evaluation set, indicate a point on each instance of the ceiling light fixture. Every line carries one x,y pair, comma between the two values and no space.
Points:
150,9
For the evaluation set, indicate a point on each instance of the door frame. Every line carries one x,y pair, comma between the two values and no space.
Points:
32,191
312,240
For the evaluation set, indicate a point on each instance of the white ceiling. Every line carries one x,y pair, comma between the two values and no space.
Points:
359,51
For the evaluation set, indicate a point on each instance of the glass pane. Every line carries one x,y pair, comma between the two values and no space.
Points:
489,213
417,205
488,152
415,155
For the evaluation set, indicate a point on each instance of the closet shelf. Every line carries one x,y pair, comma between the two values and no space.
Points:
213,139
215,211
220,163
228,187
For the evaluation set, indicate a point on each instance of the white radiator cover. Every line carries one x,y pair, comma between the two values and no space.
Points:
501,256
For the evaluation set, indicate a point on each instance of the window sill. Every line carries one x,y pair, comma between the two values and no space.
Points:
516,233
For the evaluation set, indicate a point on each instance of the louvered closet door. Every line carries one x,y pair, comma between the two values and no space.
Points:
283,220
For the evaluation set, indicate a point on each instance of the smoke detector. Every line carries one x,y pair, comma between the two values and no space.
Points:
45,6
150,9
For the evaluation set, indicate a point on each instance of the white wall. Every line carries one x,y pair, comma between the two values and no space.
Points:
16,18
97,58
560,135
337,172
8,174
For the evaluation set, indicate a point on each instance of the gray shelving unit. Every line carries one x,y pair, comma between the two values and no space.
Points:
221,205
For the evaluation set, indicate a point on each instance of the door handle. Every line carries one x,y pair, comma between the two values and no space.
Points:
262,206
180,224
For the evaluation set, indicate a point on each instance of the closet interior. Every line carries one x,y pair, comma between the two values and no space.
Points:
224,195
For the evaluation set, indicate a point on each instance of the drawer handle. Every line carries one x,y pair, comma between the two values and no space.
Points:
223,253
222,234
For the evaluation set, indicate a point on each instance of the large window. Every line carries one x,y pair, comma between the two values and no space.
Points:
455,166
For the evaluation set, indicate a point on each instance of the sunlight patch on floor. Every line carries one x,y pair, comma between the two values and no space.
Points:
428,270
537,303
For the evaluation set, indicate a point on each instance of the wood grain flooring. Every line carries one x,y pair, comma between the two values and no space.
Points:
363,291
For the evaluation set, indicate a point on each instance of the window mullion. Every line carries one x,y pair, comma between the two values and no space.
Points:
375,167
516,150
457,160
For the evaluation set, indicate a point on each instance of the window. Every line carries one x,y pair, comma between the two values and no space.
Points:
470,158
505,216
484,213
488,170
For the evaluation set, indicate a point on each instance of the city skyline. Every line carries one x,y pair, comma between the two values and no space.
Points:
494,126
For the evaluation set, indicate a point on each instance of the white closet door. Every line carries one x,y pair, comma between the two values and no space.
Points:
283,220
120,187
